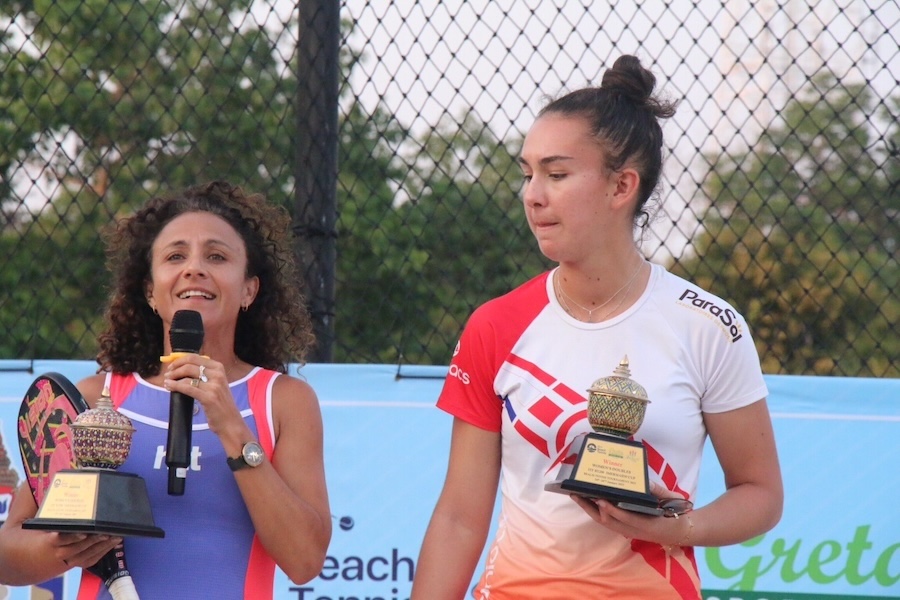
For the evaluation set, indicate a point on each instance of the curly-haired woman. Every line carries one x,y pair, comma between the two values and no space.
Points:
255,493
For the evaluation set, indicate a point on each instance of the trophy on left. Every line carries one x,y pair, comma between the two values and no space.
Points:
93,497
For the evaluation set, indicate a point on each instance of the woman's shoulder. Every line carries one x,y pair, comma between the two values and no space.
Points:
528,295
291,387
91,387
687,303
295,407
511,313
685,292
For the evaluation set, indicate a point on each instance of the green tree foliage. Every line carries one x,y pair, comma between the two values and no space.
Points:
801,235
112,101
116,100
52,283
480,245
423,239
106,102
148,98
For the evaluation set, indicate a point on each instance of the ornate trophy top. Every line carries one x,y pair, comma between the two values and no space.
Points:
617,403
620,383
101,436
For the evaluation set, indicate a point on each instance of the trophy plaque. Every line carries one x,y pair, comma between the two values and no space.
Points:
95,498
609,464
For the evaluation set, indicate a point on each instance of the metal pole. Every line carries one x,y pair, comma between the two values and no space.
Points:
316,168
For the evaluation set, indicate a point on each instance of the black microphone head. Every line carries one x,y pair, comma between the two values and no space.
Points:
186,333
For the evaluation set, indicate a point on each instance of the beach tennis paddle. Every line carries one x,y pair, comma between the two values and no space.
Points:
46,414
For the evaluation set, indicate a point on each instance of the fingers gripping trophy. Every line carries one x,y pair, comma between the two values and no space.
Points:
95,497
610,465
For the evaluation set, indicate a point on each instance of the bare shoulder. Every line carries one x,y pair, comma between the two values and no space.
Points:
295,404
290,389
91,387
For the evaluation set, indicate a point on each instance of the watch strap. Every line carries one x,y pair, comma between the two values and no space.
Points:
236,464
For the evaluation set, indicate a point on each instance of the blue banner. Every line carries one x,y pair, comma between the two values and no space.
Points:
386,449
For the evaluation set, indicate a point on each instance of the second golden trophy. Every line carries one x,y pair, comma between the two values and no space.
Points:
610,465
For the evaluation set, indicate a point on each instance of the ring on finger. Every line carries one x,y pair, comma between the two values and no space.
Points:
195,383
203,376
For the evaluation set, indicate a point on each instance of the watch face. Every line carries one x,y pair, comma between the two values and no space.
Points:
253,454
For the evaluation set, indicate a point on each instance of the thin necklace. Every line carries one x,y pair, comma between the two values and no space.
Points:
590,311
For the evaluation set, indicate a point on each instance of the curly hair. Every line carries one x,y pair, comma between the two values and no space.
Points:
275,330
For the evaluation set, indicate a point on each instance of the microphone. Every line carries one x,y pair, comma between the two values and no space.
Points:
185,335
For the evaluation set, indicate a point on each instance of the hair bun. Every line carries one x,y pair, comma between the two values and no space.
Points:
628,78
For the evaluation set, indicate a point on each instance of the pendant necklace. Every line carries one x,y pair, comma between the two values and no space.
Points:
565,298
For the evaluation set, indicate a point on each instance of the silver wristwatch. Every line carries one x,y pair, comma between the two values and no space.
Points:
252,455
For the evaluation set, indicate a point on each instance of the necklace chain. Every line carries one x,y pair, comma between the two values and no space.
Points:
590,311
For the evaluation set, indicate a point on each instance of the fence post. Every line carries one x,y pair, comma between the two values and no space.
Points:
316,168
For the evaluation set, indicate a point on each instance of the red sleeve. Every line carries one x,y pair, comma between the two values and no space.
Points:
489,336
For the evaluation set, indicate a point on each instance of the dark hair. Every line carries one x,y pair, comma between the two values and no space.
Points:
275,330
623,115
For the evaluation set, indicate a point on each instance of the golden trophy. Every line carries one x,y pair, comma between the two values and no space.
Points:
95,498
610,465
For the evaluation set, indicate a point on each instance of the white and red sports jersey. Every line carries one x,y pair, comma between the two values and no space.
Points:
522,368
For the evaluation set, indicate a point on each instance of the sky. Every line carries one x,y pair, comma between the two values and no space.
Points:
504,56
732,65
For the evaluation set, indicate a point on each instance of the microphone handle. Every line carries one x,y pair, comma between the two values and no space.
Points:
178,443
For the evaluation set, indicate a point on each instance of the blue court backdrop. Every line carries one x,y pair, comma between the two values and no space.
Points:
386,449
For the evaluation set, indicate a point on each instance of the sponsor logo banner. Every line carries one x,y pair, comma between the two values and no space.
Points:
837,441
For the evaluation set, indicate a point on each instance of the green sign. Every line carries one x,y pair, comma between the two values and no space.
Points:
732,595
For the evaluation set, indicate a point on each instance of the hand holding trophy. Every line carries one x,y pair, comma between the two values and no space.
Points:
57,432
95,498
610,465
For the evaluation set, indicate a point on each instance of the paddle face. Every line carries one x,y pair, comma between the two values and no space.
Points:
46,414
51,405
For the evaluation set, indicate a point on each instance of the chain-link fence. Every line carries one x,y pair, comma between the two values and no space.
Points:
391,129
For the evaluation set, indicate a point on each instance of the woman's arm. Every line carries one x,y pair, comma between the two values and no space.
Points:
751,504
29,556
462,517
288,499
754,495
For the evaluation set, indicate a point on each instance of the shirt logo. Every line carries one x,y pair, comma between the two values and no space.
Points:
161,455
726,318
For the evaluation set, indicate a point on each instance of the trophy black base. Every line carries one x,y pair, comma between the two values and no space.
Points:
643,503
93,526
96,501
612,468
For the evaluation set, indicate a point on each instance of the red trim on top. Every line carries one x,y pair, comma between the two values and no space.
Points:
657,462
532,369
260,580
120,387
259,394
